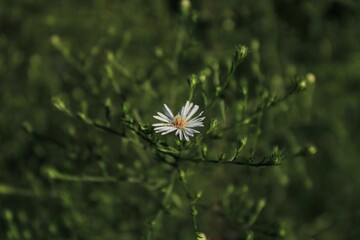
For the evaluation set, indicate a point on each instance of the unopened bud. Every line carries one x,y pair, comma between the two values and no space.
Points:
244,90
159,52
255,45
185,6
312,150
310,78
243,141
27,126
204,151
302,85
55,40
261,204
192,80
193,211
110,56
201,236
282,232
202,77
240,53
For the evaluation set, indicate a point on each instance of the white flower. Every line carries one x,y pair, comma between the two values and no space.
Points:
182,123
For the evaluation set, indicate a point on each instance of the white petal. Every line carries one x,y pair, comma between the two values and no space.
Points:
192,112
181,113
197,119
183,109
161,119
171,129
180,135
168,112
162,124
198,116
192,131
162,129
186,136
188,132
195,124
186,109
164,116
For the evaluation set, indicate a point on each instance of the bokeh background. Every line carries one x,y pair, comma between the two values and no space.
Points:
91,52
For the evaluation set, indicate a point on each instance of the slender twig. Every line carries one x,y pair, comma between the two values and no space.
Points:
54,174
191,199
90,179
249,164
263,108
108,129
178,46
267,161
166,196
9,190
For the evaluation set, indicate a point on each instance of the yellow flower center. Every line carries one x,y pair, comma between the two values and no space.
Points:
179,122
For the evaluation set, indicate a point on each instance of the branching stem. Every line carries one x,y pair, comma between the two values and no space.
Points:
166,196
191,199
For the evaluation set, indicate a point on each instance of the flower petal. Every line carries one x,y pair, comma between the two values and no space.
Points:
171,129
162,124
162,129
164,116
189,132
186,108
195,124
198,116
192,112
180,135
186,135
168,111
192,131
161,119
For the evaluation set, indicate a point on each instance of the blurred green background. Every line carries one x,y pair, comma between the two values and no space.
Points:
91,51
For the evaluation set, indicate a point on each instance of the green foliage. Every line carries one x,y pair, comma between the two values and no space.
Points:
276,159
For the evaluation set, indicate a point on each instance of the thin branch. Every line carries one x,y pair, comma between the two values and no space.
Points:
54,174
166,196
192,200
108,129
262,108
267,161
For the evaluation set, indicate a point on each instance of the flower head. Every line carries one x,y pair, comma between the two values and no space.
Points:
182,123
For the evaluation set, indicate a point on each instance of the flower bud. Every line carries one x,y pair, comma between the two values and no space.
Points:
302,85
240,53
310,78
192,80
185,6
201,236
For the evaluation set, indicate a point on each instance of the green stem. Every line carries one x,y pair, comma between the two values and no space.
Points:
178,47
261,109
54,174
93,179
191,199
153,222
267,161
257,132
